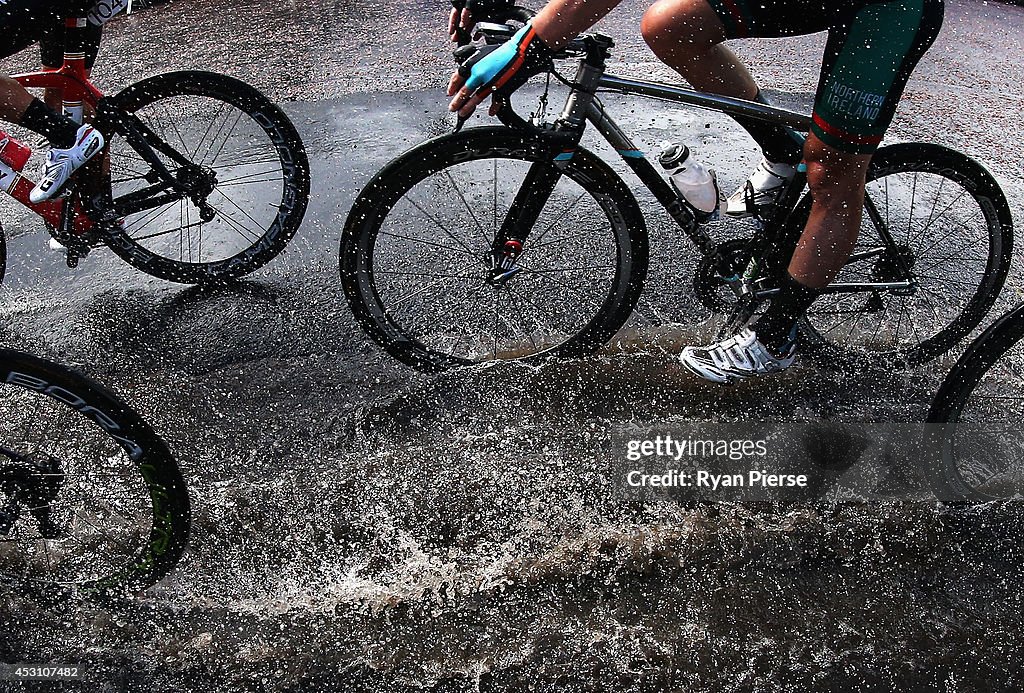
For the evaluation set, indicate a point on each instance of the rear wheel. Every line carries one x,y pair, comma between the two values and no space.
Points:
238,156
937,226
91,500
417,257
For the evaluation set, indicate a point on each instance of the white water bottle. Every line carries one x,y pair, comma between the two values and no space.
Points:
695,185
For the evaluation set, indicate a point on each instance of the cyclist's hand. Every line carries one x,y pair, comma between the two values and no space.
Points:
460,20
501,69
465,14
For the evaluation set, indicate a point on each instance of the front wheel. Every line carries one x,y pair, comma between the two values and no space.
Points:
91,501
239,169
417,254
937,231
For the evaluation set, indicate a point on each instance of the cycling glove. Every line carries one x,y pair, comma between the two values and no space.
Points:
506,67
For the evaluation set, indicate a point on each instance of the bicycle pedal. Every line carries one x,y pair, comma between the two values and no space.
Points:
75,253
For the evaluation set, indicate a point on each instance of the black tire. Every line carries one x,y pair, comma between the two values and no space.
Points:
105,541
976,421
276,187
954,293
3,254
415,340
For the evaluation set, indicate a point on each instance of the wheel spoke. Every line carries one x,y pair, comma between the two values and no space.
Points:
562,282
947,271
236,168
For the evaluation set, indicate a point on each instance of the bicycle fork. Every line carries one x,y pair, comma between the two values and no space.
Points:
522,215
542,177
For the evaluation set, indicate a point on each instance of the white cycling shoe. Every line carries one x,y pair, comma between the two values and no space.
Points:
736,358
762,188
62,163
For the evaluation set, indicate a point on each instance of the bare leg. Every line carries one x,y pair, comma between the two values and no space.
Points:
52,97
687,36
836,180
13,100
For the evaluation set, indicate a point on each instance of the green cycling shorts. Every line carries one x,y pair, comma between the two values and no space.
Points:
873,46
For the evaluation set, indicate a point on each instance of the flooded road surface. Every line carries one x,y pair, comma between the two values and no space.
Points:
362,527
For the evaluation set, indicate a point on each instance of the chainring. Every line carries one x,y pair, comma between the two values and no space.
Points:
711,288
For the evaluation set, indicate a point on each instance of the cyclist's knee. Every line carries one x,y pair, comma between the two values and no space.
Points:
681,27
834,177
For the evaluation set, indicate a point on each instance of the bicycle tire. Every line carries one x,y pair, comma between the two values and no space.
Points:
3,254
105,439
946,414
379,198
946,165
283,209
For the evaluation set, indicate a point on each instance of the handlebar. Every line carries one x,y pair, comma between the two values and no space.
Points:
493,28
495,23
496,30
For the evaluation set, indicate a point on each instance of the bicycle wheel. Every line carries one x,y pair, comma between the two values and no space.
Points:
3,253
416,249
91,501
935,220
236,152
977,418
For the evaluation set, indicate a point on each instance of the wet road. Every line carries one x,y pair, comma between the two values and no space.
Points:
362,527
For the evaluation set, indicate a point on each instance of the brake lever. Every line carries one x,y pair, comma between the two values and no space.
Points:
462,53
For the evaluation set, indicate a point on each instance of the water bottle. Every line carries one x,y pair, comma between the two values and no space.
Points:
695,185
12,152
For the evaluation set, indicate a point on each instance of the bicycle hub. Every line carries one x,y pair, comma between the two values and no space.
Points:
503,263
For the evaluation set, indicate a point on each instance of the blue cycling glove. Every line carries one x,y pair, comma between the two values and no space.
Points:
506,67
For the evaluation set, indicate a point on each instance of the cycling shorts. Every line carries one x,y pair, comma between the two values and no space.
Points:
873,46
24,22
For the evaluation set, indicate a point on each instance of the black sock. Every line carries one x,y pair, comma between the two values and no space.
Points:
56,127
776,328
780,144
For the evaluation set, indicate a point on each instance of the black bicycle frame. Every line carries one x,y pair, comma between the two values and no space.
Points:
146,143
584,106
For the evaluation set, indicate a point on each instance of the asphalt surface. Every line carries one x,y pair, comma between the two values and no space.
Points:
359,526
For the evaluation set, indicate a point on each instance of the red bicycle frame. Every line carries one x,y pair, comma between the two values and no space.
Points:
79,93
